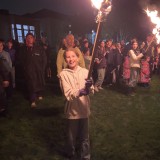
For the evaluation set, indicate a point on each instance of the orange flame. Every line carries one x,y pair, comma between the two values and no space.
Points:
155,20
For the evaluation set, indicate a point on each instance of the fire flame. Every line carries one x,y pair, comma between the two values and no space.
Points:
155,20
104,8
97,3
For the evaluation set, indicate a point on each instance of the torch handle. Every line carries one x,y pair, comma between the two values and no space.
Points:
149,44
93,52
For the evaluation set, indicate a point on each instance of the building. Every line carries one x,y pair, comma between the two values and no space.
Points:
44,22
16,27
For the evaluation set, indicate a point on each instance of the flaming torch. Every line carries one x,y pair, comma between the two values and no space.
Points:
104,8
155,20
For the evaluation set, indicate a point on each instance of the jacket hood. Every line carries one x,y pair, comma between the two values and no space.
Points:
73,71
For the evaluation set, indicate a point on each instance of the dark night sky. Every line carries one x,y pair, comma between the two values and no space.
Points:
128,11
65,6
29,6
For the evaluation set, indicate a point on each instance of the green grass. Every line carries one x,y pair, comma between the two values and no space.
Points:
121,127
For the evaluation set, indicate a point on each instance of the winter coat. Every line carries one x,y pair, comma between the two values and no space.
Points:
7,58
12,53
71,82
134,59
111,58
34,62
144,72
4,73
126,68
100,54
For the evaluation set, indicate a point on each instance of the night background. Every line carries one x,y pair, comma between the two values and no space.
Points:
127,16
121,127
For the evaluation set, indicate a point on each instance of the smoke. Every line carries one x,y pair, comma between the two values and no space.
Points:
147,4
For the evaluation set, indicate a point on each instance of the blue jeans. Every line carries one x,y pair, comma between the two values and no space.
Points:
134,75
101,75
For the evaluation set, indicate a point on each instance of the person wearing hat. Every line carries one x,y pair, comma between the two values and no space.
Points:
34,63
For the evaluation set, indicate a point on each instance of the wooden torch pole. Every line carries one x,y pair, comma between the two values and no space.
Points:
93,51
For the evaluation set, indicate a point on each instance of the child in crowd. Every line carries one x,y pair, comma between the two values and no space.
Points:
76,88
126,70
144,77
12,53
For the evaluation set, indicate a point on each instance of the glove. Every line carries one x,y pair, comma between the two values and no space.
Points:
83,92
88,83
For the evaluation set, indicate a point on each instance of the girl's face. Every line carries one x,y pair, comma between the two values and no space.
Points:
135,45
86,44
71,60
148,59
102,44
118,45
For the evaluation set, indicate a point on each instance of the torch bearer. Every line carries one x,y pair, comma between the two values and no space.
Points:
104,8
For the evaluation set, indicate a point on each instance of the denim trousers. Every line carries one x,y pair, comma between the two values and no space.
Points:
78,138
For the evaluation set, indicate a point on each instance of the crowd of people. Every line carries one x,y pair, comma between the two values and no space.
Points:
23,66
117,64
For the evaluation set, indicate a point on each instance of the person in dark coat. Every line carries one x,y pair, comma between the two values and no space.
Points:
100,65
10,49
4,82
34,63
110,58
118,63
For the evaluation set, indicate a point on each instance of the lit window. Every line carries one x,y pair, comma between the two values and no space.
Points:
25,27
32,28
20,37
18,26
13,34
20,31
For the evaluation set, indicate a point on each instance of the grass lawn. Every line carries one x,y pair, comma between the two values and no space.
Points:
121,127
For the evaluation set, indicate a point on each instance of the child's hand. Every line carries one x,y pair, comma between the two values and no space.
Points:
86,90
83,92
88,83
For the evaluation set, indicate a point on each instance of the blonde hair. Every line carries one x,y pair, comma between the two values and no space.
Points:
70,49
69,41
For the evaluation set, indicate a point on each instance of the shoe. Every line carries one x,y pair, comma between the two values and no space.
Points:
40,98
33,105
96,89
100,88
